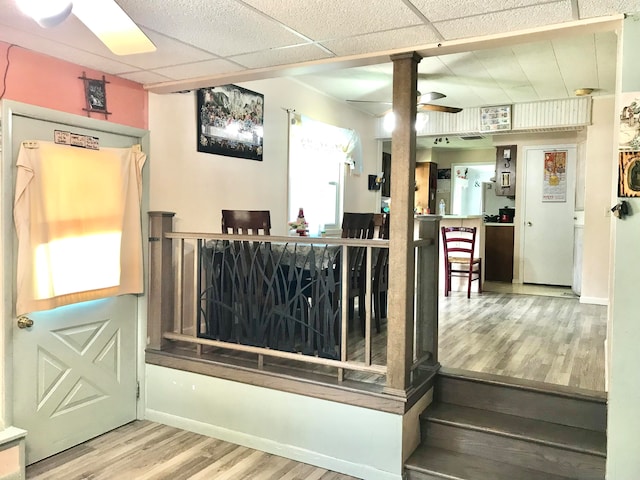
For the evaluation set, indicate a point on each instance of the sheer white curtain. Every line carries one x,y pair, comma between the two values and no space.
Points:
318,153
77,217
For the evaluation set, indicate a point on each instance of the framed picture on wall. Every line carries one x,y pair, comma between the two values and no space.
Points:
95,94
629,174
495,119
230,122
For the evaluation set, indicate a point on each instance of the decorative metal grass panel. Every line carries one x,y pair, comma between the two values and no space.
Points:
279,296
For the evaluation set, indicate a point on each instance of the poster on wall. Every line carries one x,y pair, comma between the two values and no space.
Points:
554,184
230,122
629,146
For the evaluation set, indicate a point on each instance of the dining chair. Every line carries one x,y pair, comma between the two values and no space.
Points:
459,260
380,283
357,225
246,222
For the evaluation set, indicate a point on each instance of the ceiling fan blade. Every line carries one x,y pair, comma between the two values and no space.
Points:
112,26
438,108
425,98
369,101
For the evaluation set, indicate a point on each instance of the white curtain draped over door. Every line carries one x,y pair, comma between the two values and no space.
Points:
77,217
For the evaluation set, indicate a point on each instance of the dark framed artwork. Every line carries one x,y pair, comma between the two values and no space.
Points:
629,174
95,93
230,122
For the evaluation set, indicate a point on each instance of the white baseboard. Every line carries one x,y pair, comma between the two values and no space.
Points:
594,300
272,447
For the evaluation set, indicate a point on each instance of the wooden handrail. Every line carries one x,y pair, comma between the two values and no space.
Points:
171,326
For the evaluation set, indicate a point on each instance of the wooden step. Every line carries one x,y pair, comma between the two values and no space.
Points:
559,436
536,400
533,444
430,463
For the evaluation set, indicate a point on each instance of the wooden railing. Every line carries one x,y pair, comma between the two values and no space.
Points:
282,300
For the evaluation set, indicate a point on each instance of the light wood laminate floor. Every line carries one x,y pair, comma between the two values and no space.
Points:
549,339
144,450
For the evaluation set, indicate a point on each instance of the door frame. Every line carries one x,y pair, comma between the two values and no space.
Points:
520,201
9,109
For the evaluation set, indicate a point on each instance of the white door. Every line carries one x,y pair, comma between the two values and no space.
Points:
74,370
548,218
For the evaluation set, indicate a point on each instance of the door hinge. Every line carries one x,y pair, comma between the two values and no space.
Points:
137,390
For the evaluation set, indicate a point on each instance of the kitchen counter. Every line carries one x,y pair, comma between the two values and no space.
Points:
497,224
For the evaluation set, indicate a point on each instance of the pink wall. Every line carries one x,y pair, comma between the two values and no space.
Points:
45,81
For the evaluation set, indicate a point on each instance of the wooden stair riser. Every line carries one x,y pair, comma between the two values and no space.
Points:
523,453
413,475
564,410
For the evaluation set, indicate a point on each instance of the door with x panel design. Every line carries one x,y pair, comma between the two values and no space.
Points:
74,368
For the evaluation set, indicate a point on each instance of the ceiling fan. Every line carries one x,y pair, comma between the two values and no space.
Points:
423,103
105,18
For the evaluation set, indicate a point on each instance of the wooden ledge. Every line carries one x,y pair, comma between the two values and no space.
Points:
360,394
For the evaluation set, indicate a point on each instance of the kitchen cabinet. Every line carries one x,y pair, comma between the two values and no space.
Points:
506,157
498,252
426,185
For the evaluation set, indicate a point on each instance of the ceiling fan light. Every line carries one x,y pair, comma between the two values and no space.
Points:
47,13
389,121
113,27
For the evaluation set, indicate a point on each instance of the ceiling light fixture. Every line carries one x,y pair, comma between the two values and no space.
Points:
48,13
582,92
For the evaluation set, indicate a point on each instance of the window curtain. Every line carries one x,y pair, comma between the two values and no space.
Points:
77,218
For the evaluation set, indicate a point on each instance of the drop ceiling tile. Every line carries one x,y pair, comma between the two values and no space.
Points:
606,53
354,83
510,20
198,69
281,56
381,41
168,52
598,8
540,65
223,27
145,77
63,51
329,19
577,61
503,67
438,10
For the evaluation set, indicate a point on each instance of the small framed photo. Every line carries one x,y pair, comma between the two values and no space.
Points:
95,93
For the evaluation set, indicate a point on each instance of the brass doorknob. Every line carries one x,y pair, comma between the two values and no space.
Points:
24,322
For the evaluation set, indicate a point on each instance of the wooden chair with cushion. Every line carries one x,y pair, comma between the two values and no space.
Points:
246,222
357,225
459,260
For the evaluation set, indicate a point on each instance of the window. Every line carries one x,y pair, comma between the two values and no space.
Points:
318,153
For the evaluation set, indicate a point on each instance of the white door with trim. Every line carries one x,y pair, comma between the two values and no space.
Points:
74,368
548,215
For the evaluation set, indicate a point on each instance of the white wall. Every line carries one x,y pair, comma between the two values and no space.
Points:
197,186
357,441
597,202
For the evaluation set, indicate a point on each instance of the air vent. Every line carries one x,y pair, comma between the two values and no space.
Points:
473,137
